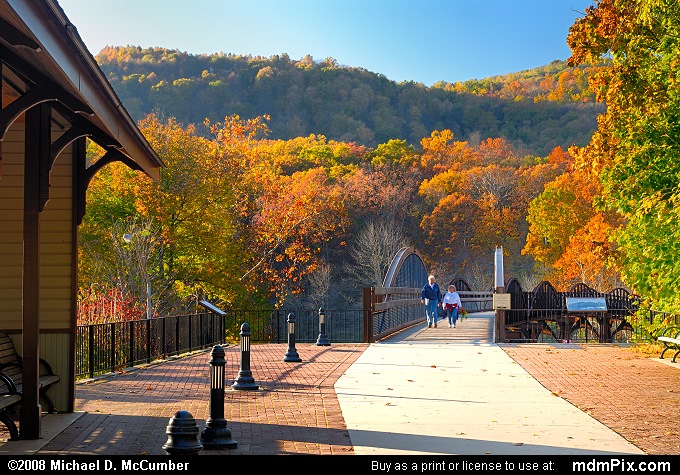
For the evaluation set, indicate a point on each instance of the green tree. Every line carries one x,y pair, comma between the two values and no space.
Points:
636,147
193,204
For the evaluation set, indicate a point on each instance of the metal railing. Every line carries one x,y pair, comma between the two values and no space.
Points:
391,309
109,347
617,325
474,301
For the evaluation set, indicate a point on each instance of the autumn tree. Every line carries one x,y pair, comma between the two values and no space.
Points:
103,293
588,258
635,149
285,219
478,200
193,205
565,206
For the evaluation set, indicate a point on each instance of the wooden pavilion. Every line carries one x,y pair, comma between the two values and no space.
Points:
54,97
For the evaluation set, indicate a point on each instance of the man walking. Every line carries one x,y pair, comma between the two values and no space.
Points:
431,297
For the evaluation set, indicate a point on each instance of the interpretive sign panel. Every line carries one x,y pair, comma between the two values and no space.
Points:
501,301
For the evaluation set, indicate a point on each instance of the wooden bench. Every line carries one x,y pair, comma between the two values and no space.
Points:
9,399
11,382
670,341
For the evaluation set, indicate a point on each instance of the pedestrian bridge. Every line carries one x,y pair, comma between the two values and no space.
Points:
538,315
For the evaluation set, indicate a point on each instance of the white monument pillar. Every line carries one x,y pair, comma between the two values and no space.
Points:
498,270
499,283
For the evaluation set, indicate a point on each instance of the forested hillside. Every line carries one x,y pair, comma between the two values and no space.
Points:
286,179
536,110
308,176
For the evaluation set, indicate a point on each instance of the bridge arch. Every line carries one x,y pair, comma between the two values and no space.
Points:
461,285
406,270
395,305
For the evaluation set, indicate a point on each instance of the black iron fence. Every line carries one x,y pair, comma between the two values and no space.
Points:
542,315
109,347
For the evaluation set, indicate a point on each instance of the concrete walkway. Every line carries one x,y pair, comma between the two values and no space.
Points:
451,391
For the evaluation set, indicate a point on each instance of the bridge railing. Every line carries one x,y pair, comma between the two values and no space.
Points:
391,309
474,301
542,315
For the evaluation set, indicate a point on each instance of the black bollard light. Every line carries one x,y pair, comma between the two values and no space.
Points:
245,380
216,435
291,353
322,339
182,435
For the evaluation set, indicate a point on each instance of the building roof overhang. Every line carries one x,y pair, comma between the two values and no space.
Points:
39,32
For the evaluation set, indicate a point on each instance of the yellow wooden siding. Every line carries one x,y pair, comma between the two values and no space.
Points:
55,248
53,348
13,216
56,259
12,260
56,226
8,238
10,282
11,226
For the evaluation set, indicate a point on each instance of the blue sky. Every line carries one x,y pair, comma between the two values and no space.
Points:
405,40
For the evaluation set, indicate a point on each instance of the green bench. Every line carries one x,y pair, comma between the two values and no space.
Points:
670,341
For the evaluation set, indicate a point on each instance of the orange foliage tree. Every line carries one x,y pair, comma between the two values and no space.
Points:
588,258
285,218
570,235
479,201
554,216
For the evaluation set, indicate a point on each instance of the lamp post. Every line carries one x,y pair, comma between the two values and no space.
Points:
322,340
245,378
216,435
291,354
